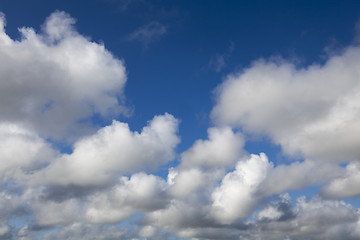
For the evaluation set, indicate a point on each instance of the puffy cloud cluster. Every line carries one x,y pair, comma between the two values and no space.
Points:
308,219
52,83
114,150
236,196
312,112
139,193
45,75
21,151
223,148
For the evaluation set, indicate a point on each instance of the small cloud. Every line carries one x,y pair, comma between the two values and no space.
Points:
148,33
218,62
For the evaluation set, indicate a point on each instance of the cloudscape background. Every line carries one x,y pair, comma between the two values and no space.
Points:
179,119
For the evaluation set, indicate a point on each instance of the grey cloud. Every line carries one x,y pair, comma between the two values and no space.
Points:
344,186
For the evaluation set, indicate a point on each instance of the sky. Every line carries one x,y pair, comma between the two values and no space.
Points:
134,119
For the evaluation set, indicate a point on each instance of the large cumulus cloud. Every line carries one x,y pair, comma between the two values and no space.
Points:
311,112
54,80
113,150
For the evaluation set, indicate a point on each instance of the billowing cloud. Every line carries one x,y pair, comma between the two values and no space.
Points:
299,175
21,152
223,148
113,150
236,196
53,81
311,112
139,193
206,161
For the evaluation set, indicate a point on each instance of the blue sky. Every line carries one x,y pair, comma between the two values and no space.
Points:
179,119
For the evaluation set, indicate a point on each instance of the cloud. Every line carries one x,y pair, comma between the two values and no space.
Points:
236,196
280,210
345,186
10,205
223,148
298,175
55,80
51,213
218,62
78,230
22,152
312,112
148,33
4,231
310,219
139,193
114,150
206,161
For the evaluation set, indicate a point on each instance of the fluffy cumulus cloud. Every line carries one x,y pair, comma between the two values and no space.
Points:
21,152
139,193
223,148
312,112
57,71
113,150
53,82
236,196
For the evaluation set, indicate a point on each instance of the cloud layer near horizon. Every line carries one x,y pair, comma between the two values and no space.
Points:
52,83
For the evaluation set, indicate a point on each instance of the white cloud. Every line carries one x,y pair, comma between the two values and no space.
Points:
236,196
298,175
112,151
21,152
311,111
185,182
206,161
256,178
54,80
346,185
139,193
269,213
223,149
